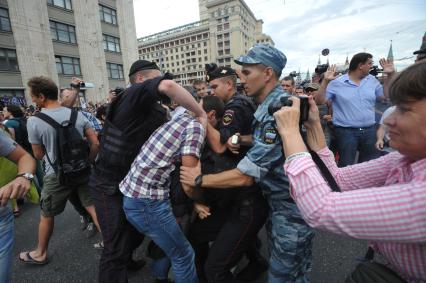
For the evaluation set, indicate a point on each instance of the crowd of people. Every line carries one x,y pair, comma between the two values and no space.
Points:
200,171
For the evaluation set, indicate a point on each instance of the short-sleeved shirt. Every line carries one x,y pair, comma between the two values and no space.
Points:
353,105
237,117
139,112
149,176
12,123
41,133
264,161
7,144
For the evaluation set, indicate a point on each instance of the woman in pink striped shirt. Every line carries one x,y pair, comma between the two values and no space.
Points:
383,200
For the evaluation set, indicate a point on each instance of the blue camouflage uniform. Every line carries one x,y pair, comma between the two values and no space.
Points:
289,237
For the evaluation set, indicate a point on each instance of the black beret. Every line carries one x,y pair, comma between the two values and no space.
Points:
220,72
140,65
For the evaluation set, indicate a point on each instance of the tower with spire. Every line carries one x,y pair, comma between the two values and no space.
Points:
390,53
347,60
298,78
308,76
319,59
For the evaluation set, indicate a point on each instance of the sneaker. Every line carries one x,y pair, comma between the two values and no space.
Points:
91,230
99,245
83,223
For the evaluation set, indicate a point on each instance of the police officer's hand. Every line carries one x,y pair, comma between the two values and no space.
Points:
234,148
203,211
188,174
314,117
287,118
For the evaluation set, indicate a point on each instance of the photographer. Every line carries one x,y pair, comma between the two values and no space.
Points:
382,200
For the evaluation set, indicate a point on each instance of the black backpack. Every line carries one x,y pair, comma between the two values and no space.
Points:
72,165
21,134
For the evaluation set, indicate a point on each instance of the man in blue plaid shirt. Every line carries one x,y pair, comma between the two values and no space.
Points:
146,189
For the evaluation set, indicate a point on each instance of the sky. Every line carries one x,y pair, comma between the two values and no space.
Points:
302,28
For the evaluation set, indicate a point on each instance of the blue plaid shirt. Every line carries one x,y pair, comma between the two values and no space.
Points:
149,175
92,121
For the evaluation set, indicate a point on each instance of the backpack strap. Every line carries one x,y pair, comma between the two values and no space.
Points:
46,118
73,118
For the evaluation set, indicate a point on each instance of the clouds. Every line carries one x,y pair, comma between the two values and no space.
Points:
302,28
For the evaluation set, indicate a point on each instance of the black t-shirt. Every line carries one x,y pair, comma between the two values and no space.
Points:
138,113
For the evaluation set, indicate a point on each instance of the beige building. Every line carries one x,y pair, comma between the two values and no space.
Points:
94,40
227,29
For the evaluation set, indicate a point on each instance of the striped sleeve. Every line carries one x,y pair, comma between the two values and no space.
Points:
388,213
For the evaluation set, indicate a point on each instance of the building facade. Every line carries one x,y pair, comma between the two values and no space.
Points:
94,40
227,29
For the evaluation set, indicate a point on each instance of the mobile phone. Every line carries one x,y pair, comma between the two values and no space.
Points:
235,139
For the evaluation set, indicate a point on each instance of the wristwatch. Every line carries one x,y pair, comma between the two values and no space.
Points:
28,176
198,181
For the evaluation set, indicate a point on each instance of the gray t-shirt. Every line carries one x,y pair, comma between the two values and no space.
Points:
40,132
7,144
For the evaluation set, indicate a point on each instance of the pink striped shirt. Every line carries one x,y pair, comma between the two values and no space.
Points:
384,201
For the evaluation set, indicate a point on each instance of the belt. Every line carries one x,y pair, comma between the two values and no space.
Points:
355,128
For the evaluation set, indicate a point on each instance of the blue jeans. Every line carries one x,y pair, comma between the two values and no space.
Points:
155,219
6,243
351,140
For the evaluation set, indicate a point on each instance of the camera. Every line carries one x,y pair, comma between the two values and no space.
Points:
82,85
118,90
320,69
375,70
285,101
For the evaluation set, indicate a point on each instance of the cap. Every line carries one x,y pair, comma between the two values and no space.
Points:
220,72
140,65
422,49
313,86
266,55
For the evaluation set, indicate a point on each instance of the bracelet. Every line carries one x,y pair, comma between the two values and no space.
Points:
296,155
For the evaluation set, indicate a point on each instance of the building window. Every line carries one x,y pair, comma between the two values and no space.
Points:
62,32
108,15
12,96
111,43
66,4
4,20
68,65
115,71
8,60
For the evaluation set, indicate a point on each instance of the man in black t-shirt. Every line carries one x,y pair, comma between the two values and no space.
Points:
132,117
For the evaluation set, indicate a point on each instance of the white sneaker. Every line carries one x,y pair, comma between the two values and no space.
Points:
91,230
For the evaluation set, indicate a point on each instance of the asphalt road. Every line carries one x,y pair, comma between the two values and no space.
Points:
73,259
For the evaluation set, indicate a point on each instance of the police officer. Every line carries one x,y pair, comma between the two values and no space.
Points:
289,237
132,117
236,215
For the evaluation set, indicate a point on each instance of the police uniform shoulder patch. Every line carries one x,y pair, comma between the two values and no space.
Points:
270,135
228,116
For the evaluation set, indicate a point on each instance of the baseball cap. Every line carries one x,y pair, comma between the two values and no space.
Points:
313,86
266,55
140,65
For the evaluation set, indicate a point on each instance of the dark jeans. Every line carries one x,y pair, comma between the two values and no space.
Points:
78,206
351,140
119,236
233,231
